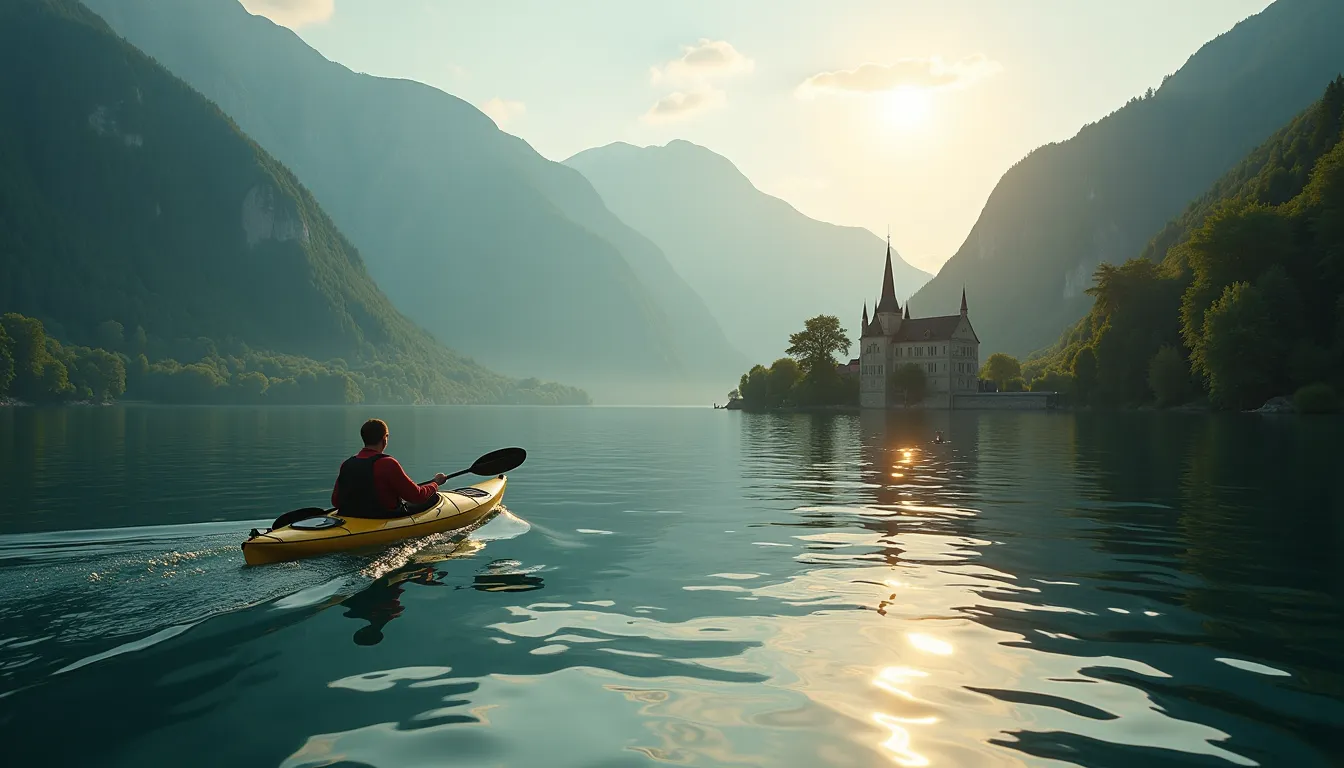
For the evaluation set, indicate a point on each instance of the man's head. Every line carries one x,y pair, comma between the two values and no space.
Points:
374,433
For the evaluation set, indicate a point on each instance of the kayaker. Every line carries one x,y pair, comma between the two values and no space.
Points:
373,484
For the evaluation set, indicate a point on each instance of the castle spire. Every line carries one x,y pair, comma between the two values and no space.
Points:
888,301
963,301
907,311
864,327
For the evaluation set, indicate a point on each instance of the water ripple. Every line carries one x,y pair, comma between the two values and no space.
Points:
738,590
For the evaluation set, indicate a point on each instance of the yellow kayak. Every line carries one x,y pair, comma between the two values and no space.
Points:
328,533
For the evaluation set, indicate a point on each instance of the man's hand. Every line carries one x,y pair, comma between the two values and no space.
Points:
440,479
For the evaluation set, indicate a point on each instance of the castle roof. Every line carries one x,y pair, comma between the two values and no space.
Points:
873,328
929,329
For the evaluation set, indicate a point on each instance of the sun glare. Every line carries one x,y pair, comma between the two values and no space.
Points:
907,108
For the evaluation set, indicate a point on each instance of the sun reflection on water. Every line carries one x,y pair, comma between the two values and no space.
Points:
929,644
898,744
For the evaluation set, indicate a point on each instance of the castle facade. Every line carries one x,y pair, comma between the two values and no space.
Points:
945,348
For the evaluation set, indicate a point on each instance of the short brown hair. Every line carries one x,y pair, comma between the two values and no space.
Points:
373,431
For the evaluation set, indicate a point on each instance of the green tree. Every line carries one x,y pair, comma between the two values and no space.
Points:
911,382
111,335
1169,377
137,375
1316,398
1309,362
735,394
783,377
139,342
1233,347
250,387
999,368
55,382
755,385
1238,243
6,361
99,373
815,346
38,375
1053,381
1085,374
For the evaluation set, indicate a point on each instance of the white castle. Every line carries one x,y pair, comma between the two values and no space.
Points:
945,348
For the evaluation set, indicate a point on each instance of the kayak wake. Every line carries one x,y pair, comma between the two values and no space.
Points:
75,598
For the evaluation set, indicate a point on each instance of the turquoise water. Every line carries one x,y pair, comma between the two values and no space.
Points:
680,586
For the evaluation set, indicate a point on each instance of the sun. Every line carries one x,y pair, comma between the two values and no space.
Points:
907,107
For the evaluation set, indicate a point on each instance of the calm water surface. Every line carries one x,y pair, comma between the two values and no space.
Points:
680,586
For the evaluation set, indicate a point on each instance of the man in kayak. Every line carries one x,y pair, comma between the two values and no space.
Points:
373,484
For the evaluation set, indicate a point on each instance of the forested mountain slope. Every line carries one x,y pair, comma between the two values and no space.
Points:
129,200
496,250
1099,197
1241,297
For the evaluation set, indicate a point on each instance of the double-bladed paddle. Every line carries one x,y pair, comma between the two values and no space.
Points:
493,463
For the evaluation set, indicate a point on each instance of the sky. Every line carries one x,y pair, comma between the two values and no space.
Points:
873,113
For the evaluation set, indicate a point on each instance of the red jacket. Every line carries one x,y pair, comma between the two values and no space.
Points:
392,483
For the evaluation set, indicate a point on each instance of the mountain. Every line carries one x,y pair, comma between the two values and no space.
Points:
762,266
496,250
1241,297
1099,197
129,201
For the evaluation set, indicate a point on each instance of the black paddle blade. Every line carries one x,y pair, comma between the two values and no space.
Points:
289,518
499,462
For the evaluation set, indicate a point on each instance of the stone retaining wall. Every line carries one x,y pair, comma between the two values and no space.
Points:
1004,401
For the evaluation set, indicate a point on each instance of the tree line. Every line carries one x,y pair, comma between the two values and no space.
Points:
37,368
1238,301
808,376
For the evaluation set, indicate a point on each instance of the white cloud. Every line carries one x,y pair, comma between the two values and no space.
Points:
292,13
701,62
680,105
503,112
918,73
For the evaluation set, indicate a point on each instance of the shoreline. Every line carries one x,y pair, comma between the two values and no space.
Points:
1275,407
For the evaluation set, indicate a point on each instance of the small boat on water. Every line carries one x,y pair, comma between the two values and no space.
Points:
323,534
314,531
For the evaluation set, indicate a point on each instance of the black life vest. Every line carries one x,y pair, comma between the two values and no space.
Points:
357,492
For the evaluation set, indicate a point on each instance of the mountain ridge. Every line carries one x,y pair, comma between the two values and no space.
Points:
1099,196
130,200
730,239
423,182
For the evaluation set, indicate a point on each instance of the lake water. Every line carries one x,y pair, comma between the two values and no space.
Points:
680,586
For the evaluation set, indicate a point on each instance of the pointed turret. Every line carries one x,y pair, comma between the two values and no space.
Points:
876,328
888,301
907,311
963,301
865,313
